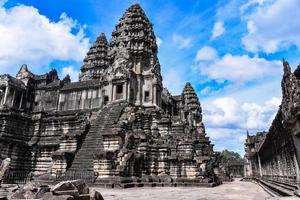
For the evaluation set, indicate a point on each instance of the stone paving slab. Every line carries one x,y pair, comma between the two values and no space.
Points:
237,190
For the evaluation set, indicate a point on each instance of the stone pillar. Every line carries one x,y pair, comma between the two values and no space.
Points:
111,93
138,93
259,165
127,93
21,101
13,98
113,96
250,168
5,95
154,93
297,169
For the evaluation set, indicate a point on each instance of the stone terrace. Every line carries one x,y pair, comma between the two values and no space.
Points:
236,190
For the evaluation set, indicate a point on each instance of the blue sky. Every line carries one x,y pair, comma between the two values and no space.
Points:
230,50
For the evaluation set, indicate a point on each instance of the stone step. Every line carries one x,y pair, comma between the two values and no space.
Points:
104,123
277,189
284,185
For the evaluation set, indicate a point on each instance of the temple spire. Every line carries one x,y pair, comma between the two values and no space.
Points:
134,32
96,60
190,98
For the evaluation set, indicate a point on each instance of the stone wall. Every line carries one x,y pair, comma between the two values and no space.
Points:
274,157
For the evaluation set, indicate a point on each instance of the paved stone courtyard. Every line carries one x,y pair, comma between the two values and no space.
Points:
237,190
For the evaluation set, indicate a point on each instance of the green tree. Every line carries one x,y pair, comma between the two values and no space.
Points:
227,155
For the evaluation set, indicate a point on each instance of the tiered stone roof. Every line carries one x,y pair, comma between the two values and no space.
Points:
190,98
96,60
134,32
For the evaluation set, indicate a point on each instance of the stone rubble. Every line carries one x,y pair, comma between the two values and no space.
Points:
66,190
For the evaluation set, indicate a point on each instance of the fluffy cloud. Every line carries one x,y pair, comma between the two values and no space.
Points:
71,71
227,112
218,30
268,28
31,38
238,68
206,53
174,81
158,41
181,41
227,137
227,120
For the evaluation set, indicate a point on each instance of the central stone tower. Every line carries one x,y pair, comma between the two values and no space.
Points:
117,126
128,64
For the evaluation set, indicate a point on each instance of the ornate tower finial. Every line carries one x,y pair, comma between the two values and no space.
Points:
135,33
96,60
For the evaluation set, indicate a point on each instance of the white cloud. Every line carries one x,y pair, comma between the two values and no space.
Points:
206,53
227,112
271,24
73,73
227,138
228,119
218,30
31,38
158,41
2,2
222,111
181,41
174,80
228,10
239,68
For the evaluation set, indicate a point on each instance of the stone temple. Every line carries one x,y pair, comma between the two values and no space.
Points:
273,157
117,122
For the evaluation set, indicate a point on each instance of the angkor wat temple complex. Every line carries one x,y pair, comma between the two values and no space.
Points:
117,121
273,157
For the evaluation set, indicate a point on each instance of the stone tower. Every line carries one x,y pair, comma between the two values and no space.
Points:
191,111
96,60
116,125
133,55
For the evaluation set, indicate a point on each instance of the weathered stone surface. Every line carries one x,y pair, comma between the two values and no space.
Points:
95,195
81,186
23,194
50,196
117,121
65,190
64,186
273,157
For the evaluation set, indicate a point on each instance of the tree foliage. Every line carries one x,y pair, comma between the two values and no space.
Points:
229,155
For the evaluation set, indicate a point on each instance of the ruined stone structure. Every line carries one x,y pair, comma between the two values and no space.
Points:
274,156
231,168
117,121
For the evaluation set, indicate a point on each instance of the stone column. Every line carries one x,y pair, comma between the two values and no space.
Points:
126,91
21,101
5,95
259,165
297,169
112,93
154,94
13,98
138,93
250,168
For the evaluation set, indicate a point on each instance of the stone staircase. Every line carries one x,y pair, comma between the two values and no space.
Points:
274,187
104,123
278,188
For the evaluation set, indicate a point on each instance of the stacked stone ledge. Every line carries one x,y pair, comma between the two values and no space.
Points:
116,127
